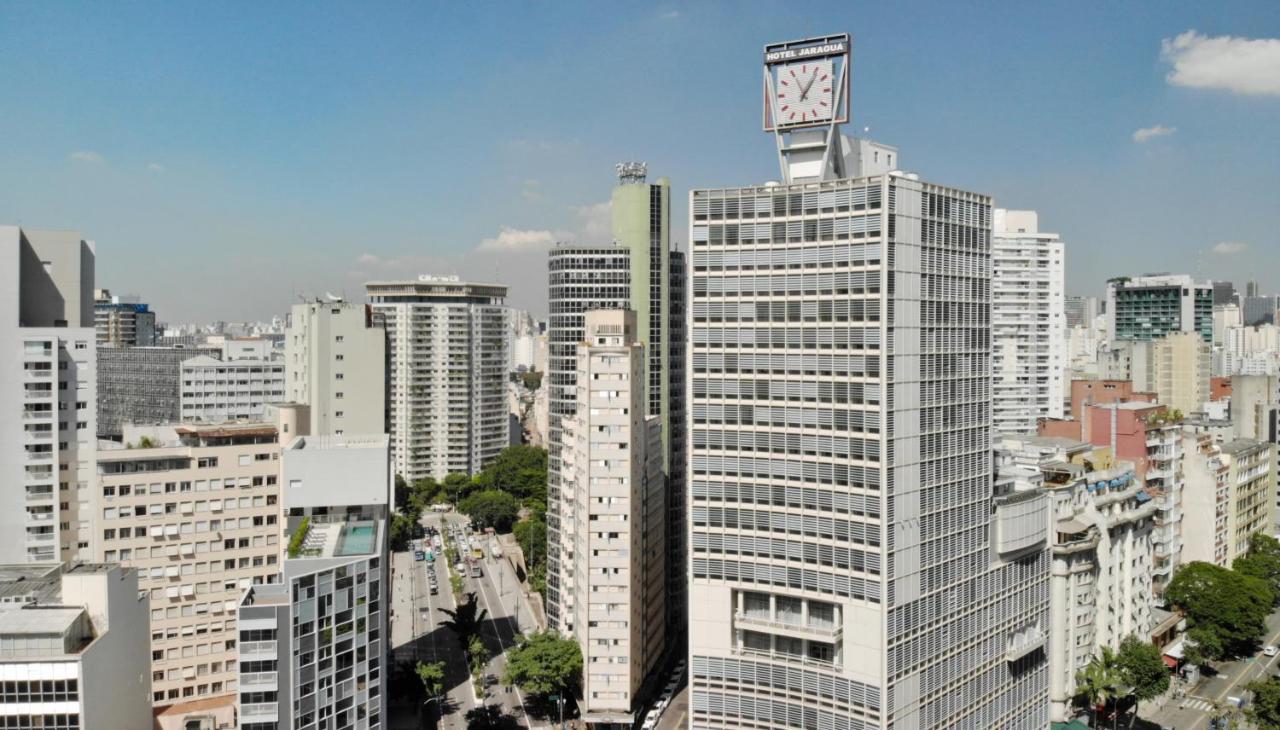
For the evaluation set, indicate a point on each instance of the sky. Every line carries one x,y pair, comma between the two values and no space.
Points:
230,157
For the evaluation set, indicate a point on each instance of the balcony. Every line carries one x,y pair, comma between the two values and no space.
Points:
267,649
821,631
784,657
1023,643
259,712
260,681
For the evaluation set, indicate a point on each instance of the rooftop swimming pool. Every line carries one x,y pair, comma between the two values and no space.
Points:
356,539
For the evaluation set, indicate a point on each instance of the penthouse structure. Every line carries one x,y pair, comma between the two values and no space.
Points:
447,373
122,320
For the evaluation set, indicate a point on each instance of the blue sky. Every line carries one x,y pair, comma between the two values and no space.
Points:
227,156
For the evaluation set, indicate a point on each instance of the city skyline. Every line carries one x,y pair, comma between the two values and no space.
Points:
328,145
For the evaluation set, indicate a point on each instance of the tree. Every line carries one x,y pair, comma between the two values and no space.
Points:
1226,611
465,620
1262,561
422,493
401,532
477,654
531,535
543,664
457,486
491,508
1100,682
432,676
1142,668
518,470
401,493
1265,709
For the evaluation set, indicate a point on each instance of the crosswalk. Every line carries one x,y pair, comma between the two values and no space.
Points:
1196,703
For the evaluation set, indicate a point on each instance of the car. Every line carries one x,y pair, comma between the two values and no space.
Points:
419,555
434,589
1270,650
476,571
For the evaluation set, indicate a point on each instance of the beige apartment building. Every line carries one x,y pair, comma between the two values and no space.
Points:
193,508
613,469
1229,495
1180,363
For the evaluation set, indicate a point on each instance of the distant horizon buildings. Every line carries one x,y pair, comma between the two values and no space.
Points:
447,350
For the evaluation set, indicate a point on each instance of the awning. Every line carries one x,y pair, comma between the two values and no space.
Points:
1176,650
1169,661
1071,526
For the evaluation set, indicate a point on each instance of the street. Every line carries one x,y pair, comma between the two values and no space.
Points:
1193,711
418,636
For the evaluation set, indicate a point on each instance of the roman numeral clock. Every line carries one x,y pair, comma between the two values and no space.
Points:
806,98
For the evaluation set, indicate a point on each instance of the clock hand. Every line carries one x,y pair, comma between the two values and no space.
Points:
810,84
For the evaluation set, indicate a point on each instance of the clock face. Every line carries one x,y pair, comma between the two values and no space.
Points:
804,92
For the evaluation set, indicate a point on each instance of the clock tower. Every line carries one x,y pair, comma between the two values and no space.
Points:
806,98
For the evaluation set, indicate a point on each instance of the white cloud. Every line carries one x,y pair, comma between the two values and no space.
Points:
1239,65
1146,133
155,167
669,15
515,240
1228,248
87,156
595,222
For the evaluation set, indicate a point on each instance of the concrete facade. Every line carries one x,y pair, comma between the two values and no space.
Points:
332,348
73,648
447,348
122,320
196,514
846,555
1150,307
613,466
141,386
1181,362
216,391
1230,495
1028,322
47,394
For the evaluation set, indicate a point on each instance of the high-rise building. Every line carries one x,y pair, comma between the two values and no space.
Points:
1150,307
644,272
581,278
122,320
1230,495
332,347
313,649
851,563
73,646
194,509
1224,292
447,373
142,386
48,434
1079,311
1028,326
1181,371
612,463
214,391
1102,551
1258,310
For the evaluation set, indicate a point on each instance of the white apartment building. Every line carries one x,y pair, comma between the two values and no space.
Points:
447,373
1028,323
1230,494
215,391
1249,351
196,513
73,647
312,645
1103,551
336,364
845,565
613,468
48,394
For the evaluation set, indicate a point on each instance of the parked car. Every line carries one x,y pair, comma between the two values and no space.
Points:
476,571
419,555
1270,650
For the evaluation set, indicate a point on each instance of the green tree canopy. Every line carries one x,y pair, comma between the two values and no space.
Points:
1226,611
1142,668
457,486
1265,710
491,508
432,676
401,532
532,538
519,470
543,664
1262,561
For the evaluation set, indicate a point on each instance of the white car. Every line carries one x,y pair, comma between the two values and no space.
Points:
1270,650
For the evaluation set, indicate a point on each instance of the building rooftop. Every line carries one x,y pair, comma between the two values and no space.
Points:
37,619
334,441
1241,446
336,539
26,582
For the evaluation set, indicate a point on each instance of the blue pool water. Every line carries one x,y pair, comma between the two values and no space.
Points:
356,539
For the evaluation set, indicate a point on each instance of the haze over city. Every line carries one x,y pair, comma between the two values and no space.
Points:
224,161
